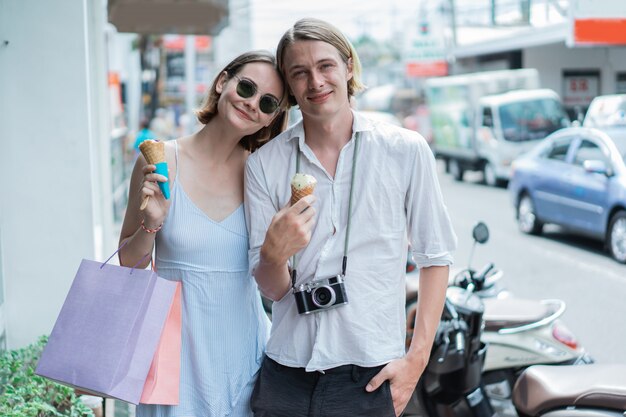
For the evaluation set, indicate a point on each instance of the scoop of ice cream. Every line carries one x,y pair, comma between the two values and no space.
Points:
302,181
301,186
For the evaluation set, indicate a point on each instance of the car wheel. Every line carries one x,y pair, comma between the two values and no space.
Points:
489,175
617,237
455,169
526,216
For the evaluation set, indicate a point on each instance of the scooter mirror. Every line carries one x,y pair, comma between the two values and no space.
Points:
480,232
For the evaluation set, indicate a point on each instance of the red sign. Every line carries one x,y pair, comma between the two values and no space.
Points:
579,90
600,31
426,69
177,43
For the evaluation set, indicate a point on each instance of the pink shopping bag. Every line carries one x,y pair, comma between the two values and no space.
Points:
108,330
162,383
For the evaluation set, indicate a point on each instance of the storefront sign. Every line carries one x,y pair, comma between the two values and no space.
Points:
426,69
579,90
425,57
177,43
597,22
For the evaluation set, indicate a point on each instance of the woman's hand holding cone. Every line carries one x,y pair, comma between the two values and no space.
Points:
154,153
154,205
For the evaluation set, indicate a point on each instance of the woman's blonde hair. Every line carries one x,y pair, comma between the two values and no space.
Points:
209,107
310,29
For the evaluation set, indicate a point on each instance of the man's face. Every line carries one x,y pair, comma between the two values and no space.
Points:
317,77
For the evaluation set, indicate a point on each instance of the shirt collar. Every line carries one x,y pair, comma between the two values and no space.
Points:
359,124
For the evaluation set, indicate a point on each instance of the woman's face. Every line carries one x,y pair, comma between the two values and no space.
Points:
246,113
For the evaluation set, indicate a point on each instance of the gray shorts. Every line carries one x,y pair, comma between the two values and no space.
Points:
281,391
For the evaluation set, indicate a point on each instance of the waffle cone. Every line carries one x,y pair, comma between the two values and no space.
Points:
297,194
153,151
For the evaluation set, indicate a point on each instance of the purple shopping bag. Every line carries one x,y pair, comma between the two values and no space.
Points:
108,330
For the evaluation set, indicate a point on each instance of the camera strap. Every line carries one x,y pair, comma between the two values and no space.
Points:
294,260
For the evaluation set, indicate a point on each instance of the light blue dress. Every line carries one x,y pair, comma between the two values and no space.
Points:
224,327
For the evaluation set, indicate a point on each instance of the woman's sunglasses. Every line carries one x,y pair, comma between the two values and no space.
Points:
246,89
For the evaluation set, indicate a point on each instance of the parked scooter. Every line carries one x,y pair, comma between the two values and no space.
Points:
571,391
486,282
451,385
518,332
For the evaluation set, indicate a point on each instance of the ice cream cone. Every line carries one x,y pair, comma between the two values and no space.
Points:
301,186
154,153
297,194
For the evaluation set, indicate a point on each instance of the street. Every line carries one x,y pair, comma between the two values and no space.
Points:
553,265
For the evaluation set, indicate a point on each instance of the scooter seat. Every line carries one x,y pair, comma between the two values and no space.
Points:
513,312
541,388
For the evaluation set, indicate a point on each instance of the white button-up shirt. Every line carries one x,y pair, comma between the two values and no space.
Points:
396,196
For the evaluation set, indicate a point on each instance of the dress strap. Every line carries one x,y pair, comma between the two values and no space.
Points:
176,159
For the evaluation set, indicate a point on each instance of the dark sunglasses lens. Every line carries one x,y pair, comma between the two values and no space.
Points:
246,89
268,104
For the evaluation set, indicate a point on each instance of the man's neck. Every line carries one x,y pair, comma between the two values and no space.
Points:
329,133
327,137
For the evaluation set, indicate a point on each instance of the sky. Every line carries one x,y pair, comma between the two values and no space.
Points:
378,18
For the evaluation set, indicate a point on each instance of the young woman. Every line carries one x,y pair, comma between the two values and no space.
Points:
201,238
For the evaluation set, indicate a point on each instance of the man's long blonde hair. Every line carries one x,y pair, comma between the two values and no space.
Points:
310,29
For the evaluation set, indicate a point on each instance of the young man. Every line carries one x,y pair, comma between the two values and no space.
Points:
337,341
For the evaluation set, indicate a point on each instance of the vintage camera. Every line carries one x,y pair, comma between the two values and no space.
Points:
320,295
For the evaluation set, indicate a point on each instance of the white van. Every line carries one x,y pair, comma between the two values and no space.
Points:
481,122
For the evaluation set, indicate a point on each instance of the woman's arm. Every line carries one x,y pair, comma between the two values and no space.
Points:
139,241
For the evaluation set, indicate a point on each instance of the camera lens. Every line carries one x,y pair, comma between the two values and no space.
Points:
323,296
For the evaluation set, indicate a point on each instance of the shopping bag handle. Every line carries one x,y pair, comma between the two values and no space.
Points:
134,266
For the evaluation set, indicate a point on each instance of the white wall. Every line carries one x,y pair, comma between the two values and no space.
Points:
53,155
468,66
235,38
552,60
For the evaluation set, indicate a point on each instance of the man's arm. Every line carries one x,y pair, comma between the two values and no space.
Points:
432,295
404,373
432,241
289,231
275,235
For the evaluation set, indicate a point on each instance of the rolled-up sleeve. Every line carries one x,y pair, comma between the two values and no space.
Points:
259,208
430,230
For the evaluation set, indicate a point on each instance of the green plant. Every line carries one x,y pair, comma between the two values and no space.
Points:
24,394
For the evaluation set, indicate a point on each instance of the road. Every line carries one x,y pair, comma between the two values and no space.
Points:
553,265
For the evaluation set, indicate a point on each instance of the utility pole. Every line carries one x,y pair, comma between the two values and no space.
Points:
190,81
525,11
453,21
